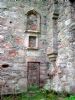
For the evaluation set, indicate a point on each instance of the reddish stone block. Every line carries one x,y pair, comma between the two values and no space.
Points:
18,40
7,45
12,53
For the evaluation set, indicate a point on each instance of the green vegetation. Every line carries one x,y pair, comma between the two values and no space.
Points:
34,93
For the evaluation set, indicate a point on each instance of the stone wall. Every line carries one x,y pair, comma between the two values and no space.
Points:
54,43
14,51
63,70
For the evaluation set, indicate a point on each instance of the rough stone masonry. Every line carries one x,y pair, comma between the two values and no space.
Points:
37,45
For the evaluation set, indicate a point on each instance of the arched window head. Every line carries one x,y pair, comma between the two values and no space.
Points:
33,21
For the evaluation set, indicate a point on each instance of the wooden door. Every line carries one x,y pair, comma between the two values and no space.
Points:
33,73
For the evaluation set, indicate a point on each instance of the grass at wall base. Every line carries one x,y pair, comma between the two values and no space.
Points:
35,93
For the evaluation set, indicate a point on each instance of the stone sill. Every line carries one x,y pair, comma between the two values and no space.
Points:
32,31
34,48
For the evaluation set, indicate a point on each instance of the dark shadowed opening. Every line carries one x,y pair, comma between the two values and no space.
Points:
72,1
5,65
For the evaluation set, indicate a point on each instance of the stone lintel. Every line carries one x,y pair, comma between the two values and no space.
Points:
32,59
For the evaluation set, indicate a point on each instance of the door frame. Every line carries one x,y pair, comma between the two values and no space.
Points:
28,70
